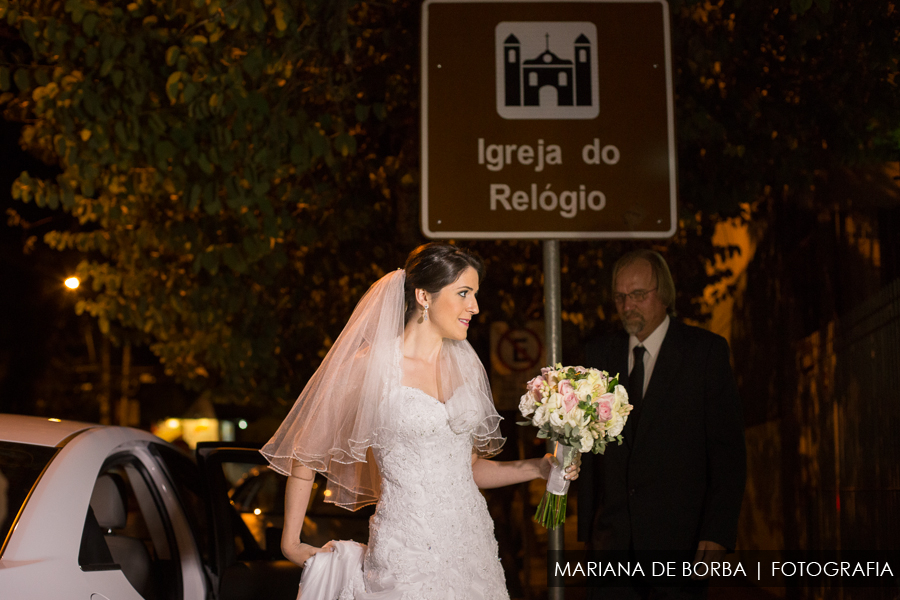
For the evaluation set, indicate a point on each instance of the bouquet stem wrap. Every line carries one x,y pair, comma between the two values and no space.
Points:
551,512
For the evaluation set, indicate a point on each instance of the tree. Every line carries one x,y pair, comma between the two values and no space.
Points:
773,101
216,155
242,171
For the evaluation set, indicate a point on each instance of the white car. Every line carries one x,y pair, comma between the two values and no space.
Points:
95,512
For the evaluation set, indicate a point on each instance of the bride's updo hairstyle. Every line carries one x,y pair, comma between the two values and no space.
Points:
434,266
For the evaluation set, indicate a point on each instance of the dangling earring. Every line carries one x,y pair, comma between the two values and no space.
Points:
425,314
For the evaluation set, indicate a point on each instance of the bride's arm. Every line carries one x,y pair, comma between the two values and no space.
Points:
496,473
296,499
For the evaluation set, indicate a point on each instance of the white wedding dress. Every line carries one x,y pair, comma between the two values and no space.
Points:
431,536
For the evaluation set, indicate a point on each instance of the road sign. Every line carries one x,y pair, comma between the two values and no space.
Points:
517,355
547,120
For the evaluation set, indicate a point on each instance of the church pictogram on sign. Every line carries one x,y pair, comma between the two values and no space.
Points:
572,81
558,80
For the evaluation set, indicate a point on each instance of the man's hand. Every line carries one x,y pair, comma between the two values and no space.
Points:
707,552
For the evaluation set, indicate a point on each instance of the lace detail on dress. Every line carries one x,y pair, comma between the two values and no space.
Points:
431,532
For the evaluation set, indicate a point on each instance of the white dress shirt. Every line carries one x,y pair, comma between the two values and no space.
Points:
651,349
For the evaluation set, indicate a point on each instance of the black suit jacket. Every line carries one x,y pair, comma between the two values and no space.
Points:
679,477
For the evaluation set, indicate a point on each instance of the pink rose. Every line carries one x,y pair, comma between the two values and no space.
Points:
534,387
604,406
565,387
608,397
604,411
570,401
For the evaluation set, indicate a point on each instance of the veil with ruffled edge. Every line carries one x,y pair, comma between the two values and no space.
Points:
345,409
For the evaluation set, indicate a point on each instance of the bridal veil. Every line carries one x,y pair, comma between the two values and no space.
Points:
342,414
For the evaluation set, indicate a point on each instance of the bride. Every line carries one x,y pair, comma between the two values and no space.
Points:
400,413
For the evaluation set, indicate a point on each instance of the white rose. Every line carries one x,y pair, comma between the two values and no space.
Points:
526,404
553,402
556,419
540,416
618,424
587,443
575,418
584,388
621,396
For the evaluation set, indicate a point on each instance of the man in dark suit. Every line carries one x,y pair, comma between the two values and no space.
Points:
673,489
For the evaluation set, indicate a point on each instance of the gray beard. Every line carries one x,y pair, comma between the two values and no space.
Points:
632,326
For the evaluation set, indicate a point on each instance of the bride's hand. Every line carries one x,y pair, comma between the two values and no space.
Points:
298,552
549,461
574,469
546,465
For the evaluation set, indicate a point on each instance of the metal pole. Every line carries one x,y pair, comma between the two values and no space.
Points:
553,329
105,382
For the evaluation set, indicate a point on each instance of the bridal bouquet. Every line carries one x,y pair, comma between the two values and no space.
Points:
582,410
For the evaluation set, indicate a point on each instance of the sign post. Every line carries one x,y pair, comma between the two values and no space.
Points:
547,120
556,542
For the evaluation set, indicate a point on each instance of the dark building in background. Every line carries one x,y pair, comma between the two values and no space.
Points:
816,344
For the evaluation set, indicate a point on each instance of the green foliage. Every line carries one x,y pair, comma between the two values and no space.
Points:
772,99
240,171
214,155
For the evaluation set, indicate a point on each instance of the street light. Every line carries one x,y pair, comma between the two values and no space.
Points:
72,283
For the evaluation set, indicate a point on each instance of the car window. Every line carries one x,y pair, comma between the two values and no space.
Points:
257,493
247,501
127,516
185,477
21,466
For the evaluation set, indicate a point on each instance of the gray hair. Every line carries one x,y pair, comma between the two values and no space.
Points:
664,283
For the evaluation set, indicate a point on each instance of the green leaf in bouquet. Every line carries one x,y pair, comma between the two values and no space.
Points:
542,434
523,422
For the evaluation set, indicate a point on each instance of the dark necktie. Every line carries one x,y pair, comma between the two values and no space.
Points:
636,379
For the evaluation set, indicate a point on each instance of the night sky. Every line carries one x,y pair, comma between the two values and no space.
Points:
37,308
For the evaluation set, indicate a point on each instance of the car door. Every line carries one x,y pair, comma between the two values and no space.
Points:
237,566
247,504
249,562
136,539
235,506
257,494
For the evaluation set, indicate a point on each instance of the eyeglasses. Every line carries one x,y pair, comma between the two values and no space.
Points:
636,296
